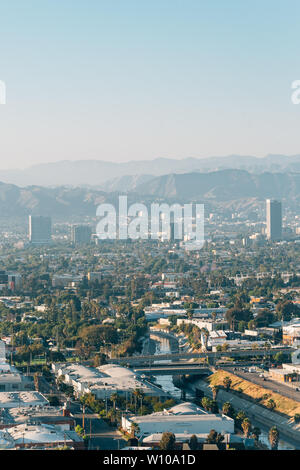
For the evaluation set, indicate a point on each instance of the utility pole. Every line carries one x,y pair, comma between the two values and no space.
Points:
12,345
83,410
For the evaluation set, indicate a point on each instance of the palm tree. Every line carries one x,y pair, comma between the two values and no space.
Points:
271,404
246,426
135,429
138,395
167,441
206,403
274,437
214,437
193,442
205,333
256,432
215,390
227,382
239,418
112,415
228,409
114,397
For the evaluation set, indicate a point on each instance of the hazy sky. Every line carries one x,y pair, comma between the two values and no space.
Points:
138,79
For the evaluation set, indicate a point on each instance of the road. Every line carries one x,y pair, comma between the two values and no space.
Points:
103,436
253,377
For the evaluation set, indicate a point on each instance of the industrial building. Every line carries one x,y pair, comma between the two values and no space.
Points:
287,373
37,414
10,379
22,399
37,436
182,419
291,332
105,380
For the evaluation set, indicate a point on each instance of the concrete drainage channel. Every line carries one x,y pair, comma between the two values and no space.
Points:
258,413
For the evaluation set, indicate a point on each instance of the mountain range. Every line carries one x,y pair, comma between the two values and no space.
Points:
224,186
112,176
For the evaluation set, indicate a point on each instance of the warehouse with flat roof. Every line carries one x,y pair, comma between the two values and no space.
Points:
105,380
185,418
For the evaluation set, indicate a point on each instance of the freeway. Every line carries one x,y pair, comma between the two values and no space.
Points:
253,377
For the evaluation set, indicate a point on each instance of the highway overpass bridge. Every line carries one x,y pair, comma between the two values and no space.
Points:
211,356
173,369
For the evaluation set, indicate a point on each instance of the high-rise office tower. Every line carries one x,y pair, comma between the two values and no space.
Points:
172,230
39,229
274,220
81,234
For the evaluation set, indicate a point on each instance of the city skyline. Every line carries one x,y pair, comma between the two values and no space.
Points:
149,229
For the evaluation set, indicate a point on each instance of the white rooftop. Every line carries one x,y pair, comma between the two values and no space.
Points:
21,399
180,419
35,434
108,378
186,408
113,370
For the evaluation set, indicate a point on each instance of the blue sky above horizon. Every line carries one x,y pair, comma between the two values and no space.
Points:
127,80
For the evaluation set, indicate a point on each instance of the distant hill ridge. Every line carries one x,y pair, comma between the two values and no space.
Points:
124,176
223,185
217,186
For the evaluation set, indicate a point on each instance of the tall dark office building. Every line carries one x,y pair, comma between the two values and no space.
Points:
39,229
81,234
274,220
